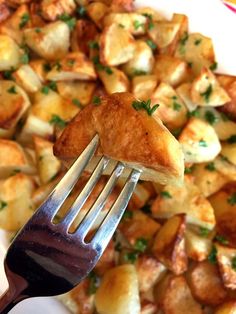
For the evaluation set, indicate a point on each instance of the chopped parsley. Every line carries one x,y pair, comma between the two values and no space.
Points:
214,66
121,25
24,58
118,247
81,11
221,239
150,20
151,44
176,106
184,39
45,90
57,120
210,166
58,66
53,86
233,263
93,44
232,199
2,205
101,67
70,62
212,256
197,42
210,117
206,95
145,105
131,257
177,132
232,139
38,30
24,20
47,67
94,282
128,214
189,170
12,90
146,209
137,72
202,143
165,194
195,113
69,20
8,75
204,232
96,100
137,25
76,102
141,244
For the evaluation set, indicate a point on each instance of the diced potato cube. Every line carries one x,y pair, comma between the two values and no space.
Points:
51,43
186,199
169,245
229,84
15,200
171,70
205,283
173,296
134,23
117,46
143,86
75,66
206,90
9,53
115,81
13,104
199,141
118,292
197,50
48,164
52,9
28,79
163,33
172,110
96,11
142,61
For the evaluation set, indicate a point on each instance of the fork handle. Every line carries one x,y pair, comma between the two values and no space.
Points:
8,300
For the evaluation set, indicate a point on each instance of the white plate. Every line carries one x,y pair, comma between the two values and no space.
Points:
211,18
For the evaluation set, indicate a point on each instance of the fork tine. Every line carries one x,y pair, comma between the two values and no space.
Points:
64,187
94,211
111,221
84,194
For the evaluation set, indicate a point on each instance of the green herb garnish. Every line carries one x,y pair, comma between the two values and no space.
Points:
197,42
76,102
189,170
128,214
58,66
184,39
176,106
93,44
45,90
210,117
233,263
221,239
137,72
47,67
232,199
214,66
131,257
212,256
141,244
81,11
96,100
94,282
204,232
2,205
70,62
24,20
202,143
38,30
24,58
150,20
146,209
8,75
12,90
206,95
165,194
137,24
69,20
210,166
151,44
195,113
57,120
232,139
145,105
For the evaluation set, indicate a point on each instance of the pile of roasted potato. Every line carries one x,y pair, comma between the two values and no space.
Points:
175,249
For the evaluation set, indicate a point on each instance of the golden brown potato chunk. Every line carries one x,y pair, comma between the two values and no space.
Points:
229,84
125,134
206,284
51,9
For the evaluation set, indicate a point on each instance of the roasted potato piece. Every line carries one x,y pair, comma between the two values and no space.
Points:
229,152
208,179
14,159
135,228
229,84
52,9
149,272
186,199
198,245
75,66
171,70
141,195
16,23
163,33
9,53
13,104
117,46
205,283
48,164
172,110
51,42
224,206
114,80
28,79
225,258
184,93
199,141
76,92
142,61
134,23
196,50
118,292
173,296
15,200
96,11
206,90
143,86
169,245
227,308
133,150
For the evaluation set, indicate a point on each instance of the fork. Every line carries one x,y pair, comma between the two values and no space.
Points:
46,259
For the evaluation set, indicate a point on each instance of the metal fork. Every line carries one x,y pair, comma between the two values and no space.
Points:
45,259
